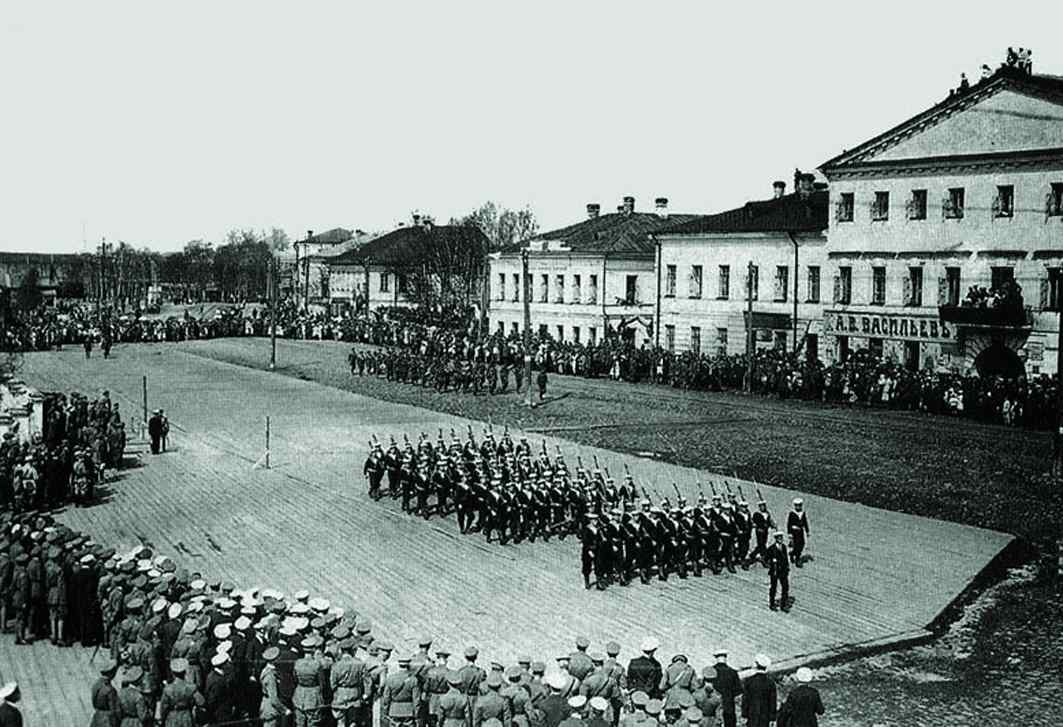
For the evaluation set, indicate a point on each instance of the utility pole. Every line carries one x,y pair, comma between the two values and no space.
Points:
527,327
272,312
751,341
1057,458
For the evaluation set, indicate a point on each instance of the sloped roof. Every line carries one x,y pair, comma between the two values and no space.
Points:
409,245
616,232
789,213
332,237
1005,77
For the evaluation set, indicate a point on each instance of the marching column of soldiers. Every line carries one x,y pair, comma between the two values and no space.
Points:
475,373
501,489
81,440
179,650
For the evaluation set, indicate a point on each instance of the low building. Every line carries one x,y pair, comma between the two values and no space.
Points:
69,275
965,195
412,264
586,279
704,272
309,275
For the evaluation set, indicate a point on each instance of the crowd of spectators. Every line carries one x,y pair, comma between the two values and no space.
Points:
862,379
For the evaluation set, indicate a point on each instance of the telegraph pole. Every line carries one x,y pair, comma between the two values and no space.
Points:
272,312
1057,456
751,341
527,328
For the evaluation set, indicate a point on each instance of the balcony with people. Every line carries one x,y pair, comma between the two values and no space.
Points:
1000,306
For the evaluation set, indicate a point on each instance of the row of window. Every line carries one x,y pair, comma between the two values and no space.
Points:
950,286
953,204
563,293
695,286
720,344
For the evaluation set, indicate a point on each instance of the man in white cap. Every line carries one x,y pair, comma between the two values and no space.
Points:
554,707
728,685
797,526
803,706
759,698
576,704
9,695
217,691
644,672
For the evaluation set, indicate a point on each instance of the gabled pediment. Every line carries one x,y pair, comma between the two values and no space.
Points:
1004,122
1001,115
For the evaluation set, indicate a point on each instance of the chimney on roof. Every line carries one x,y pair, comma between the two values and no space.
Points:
427,222
620,208
629,205
309,235
593,210
661,204
780,188
416,219
803,183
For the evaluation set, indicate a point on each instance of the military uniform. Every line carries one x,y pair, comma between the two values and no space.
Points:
399,699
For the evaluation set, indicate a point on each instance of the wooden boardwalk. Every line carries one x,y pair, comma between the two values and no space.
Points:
877,576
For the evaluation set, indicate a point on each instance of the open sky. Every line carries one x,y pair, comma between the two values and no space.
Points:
160,123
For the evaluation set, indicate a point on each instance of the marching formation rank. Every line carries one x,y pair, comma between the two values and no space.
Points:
502,489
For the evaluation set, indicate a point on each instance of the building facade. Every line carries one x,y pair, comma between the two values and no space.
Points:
586,279
968,194
705,273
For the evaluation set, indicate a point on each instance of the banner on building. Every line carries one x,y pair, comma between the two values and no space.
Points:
887,325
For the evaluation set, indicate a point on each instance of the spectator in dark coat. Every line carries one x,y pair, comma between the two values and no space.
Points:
759,700
803,706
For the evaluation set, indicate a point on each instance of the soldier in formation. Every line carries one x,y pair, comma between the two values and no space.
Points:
466,369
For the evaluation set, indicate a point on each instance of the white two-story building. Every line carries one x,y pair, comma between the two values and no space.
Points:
967,193
586,279
705,271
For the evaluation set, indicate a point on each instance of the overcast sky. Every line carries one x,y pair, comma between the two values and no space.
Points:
157,124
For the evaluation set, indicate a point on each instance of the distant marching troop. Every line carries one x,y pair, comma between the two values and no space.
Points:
500,488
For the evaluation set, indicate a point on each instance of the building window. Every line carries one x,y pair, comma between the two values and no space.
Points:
501,328
593,292
560,333
669,282
874,347
559,289
575,334
913,287
725,283
813,283
844,211
952,287
1054,285
516,287
544,288
917,205
843,348
402,282
780,341
631,290
880,207
953,204
1001,276
577,284
695,281
721,341
592,335
843,285
669,338
543,331
514,329
1054,200
695,339
1004,204
501,294
782,283
878,285
753,282
385,282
